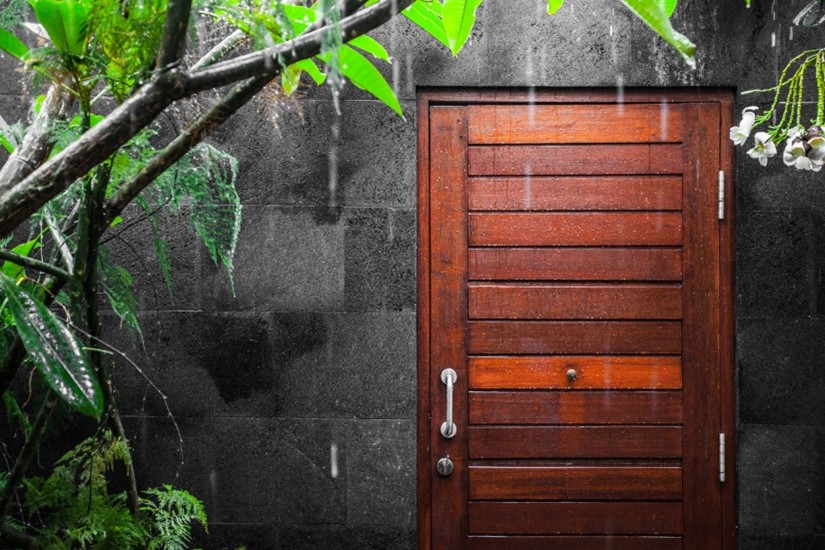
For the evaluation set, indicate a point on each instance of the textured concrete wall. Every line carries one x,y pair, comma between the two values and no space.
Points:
317,348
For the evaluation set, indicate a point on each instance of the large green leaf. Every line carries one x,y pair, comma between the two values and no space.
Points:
427,15
54,349
66,21
371,46
553,6
11,44
459,18
653,13
358,70
310,68
669,6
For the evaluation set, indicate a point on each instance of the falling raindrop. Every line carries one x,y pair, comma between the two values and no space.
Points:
333,161
333,460
531,90
663,115
773,40
790,33
620,92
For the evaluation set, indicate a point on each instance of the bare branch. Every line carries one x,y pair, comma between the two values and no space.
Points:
270,60
174,33
221,49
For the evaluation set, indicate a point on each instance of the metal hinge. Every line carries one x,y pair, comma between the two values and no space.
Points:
721,198
721,458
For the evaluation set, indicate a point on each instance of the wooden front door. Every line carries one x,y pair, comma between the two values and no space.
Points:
575,276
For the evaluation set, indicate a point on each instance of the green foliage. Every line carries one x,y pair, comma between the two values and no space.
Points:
11,44
427,15
655,15
172,512
66,22
77,510
204,181
553,6
11,269
459,19
15,414
55,349
116,283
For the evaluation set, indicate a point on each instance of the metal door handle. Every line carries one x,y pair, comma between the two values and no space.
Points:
448,428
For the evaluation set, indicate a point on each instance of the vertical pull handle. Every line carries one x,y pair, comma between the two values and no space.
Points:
448,428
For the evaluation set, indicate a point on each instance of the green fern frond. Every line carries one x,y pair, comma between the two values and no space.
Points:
117,286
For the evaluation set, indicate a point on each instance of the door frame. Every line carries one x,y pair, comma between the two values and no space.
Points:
427,97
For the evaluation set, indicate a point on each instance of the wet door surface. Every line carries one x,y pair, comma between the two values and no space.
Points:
570,256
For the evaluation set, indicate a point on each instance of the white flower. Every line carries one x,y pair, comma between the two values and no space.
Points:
817,152
764,148
739,134
795,155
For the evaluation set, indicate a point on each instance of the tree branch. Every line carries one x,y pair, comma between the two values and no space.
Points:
36,145
33,263
270,60
221,49
174,33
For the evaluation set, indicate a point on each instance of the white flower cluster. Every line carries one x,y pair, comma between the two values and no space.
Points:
804,149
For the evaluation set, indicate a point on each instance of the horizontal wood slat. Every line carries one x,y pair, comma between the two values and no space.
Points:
574,160
544,442
619,123
591,372
575,482
576,193
575,407
575,229
575,264
574,543
619,518
591,337
501,301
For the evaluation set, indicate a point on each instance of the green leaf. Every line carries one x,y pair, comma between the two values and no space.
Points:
55,349
427,15
7,144
553,6
669,6
310,68
11,269
371,46
358,70
459,18
653,14
13,45
66,21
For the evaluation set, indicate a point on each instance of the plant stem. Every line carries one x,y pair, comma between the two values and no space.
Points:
174,33
33,263
26,455
225,46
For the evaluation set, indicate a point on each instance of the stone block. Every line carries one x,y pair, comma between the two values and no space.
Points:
380,261
805,542
286,259
381,473
131,246
366,370
773,259
781,375
249,470
362,537
778,471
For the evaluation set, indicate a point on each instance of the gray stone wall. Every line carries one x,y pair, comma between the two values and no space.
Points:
317,348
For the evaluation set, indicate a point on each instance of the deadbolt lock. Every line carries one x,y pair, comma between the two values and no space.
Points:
444,466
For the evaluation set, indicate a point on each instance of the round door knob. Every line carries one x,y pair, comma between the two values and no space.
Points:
444,466
572,375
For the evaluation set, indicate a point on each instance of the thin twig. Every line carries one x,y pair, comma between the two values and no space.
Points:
33,263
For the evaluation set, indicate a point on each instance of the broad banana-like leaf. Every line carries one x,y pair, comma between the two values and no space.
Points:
66,21
371,46
358,70
553,6
669,6
459,18
12,45
55,349
653,13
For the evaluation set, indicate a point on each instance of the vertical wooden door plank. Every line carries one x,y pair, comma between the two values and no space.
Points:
700,330
448,318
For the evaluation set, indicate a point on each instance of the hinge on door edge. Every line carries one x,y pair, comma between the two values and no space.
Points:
721,199
721,458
